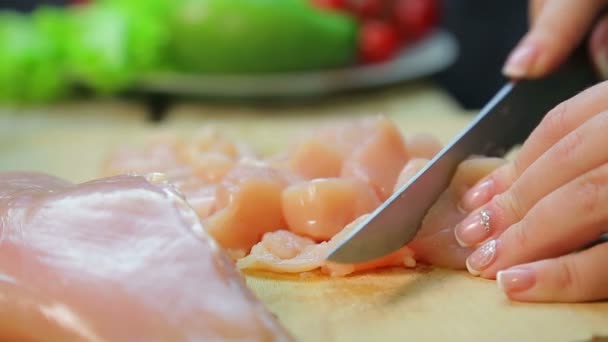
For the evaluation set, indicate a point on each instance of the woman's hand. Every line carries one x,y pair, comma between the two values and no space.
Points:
529,215
557,27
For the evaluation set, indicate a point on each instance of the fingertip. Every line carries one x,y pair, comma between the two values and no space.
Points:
458,240
478,195
521,61
599,47
496,182
576,277
472,270
516,279
502,288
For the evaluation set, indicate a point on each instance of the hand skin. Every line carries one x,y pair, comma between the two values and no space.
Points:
551,200
546,204
557,28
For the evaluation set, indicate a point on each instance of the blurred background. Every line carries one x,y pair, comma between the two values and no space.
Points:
253,50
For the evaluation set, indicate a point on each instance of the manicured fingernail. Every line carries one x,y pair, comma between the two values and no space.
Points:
483,257
474,229
515,279
478,195
599,48
521,60
601,61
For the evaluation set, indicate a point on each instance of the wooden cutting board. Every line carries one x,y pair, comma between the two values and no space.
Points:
70,141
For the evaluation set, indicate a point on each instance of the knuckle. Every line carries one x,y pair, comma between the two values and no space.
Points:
589,192
568,278
602,121
498,181
514,169
509,205
555,123
569,147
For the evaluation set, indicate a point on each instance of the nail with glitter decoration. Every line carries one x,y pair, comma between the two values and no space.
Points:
482,258
485,219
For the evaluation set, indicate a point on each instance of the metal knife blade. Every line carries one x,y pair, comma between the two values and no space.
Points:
505,121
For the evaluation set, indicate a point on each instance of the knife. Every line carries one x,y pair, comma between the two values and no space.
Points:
504,122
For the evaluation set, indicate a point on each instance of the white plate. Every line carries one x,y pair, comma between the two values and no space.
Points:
424,58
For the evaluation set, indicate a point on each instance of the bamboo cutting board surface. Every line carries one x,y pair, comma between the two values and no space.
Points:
71,140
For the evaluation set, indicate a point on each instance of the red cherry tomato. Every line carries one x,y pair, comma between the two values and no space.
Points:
368,9
340,5
416,17
378,41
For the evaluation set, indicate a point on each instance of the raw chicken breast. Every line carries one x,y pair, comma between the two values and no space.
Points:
193,166
248,204
370,149
409,171
162,153
379,157
285,252
322,207
423,145
116,259
435,243
315,158
295,204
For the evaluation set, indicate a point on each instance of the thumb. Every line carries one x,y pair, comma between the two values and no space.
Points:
599,47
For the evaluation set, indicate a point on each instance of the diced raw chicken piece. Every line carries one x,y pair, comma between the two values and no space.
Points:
193,166
316,159
370,149
435,243
321,208
209,155
320,153
346,135
379,157
211,167
161,154
248,204
201,197
410,170
285,252
209,140
116,259
423,145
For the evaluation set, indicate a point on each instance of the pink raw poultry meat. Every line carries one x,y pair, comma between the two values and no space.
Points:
116,259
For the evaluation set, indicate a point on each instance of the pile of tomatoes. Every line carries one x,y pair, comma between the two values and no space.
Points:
387,26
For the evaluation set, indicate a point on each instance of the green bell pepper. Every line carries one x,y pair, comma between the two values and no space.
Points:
250,36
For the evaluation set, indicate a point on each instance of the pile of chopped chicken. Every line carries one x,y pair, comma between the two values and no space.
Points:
284,213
